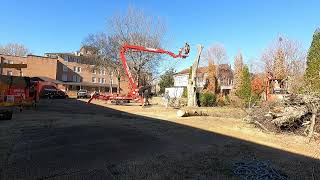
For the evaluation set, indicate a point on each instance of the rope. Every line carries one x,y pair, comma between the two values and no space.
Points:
258,170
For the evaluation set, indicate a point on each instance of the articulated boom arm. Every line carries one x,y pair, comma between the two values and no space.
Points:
183,53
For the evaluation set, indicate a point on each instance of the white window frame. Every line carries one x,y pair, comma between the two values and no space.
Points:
79,69
94,79
94,71
9,73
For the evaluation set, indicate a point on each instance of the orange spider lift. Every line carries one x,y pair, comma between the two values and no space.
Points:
133,94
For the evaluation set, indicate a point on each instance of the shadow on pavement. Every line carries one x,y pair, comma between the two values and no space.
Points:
68,139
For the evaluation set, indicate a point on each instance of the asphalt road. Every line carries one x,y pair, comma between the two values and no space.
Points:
68,139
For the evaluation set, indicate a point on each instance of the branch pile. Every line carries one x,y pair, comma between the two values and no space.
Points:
295,113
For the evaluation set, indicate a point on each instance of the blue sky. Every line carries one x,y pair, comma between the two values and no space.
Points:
249,26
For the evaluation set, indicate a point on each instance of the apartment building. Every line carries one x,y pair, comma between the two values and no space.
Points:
71,70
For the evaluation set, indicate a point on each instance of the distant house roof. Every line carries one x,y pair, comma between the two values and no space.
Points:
199,70
223,69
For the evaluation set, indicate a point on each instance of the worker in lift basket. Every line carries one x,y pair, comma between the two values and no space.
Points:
166,99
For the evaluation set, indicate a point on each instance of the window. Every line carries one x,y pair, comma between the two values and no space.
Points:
94,80
76,69
64,77
66,58
10,62
100,72
78,79
104,72
74,78
5,61
94,71
99,80
65,68
9,73
102,80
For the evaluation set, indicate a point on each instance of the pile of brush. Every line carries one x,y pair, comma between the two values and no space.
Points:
294,113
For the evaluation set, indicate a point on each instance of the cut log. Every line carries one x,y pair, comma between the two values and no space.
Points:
313,122
187,113
261,126
290,115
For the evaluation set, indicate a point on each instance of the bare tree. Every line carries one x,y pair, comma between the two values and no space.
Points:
14,49
285,58
289,51
192,82
238,67
216,54
136,28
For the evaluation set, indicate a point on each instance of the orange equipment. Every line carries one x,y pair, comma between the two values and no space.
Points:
134,89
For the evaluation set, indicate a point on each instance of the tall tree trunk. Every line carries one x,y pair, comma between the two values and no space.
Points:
110,84
119,82
192,83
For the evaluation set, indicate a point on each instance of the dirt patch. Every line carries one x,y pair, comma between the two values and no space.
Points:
67,139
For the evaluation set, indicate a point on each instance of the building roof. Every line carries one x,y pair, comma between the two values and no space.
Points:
222,67
88,84
199,70
47,79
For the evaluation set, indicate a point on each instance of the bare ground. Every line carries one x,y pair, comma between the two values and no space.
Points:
68,139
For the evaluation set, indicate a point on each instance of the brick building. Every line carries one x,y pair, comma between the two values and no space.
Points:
70,71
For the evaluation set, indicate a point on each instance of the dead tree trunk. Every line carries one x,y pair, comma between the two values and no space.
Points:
110,81
192,83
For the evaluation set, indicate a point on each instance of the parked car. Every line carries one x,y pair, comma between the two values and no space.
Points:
53,93
83,93
61,95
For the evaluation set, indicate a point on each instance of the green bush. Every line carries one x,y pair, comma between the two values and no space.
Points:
207,99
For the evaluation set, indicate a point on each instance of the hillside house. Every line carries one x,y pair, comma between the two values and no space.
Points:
224,73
